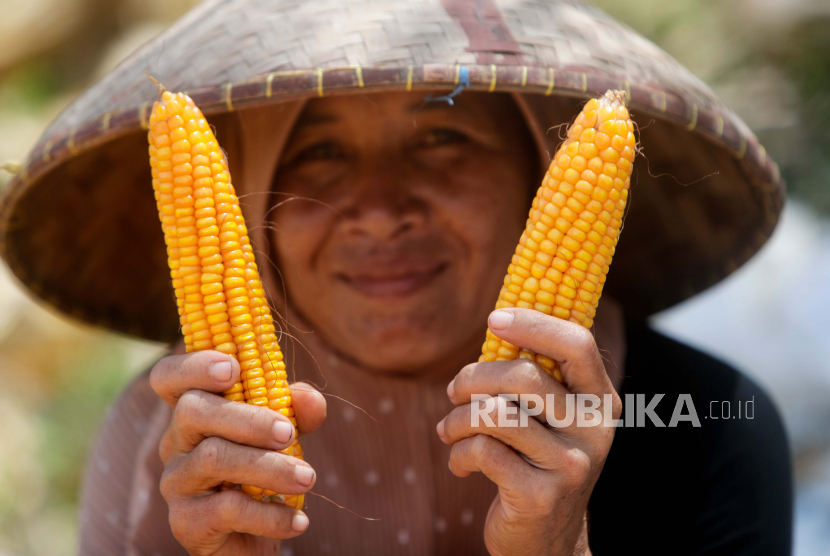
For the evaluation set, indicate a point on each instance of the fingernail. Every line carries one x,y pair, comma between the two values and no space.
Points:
283,432
304,475
440,428
451,389
500,320
221,371
299,523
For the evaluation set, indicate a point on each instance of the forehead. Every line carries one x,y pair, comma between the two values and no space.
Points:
488,106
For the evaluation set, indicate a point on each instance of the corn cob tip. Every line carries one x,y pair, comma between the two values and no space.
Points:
612,98
156,82
219,293
562,260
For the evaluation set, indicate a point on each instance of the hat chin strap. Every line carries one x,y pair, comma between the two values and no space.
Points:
538,115
263,134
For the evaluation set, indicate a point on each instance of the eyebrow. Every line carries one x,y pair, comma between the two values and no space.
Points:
414,108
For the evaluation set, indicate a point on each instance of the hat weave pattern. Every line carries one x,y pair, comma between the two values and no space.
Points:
230,55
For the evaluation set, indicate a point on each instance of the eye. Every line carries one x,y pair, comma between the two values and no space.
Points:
442,136
327,150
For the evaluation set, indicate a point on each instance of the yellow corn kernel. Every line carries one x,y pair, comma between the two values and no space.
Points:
568,255
211,259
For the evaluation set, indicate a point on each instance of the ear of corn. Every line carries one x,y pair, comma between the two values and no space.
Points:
220,296
563,256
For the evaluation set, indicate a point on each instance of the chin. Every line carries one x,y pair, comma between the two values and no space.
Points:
398,334
399,351
398,346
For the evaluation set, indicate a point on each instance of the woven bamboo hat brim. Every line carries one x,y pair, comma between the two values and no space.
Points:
78,224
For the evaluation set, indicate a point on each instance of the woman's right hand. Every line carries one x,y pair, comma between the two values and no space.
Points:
211,440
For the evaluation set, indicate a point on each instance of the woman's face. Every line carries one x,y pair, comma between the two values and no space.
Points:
406,217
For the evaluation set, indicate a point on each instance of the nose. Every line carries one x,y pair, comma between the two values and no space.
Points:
383,203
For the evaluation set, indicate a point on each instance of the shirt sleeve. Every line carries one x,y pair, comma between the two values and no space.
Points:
721,484
747,488
121,509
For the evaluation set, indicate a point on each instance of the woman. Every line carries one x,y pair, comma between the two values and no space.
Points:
401,212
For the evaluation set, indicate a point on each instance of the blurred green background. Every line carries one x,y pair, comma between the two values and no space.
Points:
768,59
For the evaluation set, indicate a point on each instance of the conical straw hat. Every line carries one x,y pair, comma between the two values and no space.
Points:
78,225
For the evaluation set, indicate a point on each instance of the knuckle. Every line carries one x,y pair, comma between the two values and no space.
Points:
180,525
167,445
259,421
453,417
209,456
167,485
576,466
199,360
527,372
491,454
482,449
226,508
499,408
536,322
189,407
464,376
158,374
584,343
278,464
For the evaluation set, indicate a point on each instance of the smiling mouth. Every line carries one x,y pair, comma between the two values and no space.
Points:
392,282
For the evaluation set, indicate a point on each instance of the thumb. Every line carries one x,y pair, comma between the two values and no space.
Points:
570,344
309,406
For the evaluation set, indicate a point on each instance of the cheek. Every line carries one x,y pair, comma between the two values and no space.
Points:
298,233
487,208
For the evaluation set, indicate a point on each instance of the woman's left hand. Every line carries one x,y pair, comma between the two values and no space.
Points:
545,475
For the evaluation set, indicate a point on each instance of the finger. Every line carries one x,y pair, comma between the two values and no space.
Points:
199,415
230,511
498,462
527,436
521,377
570,344
216,460
570,465
210,371
309,406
